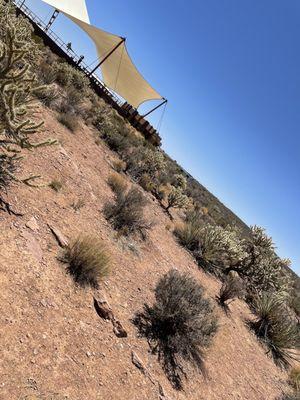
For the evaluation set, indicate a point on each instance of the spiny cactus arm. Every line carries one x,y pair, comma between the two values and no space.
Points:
48,142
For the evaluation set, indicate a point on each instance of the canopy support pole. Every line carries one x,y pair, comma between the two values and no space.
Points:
155,108
108,55
52,19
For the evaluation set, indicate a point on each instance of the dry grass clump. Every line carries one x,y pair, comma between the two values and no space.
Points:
188,233
88,260
179,326
295,378
117,183
231,289
78,204
69,120
56,185
119,165
292,396
126,214
276,328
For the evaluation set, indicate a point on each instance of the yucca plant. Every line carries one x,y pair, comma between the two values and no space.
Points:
179,326
276,328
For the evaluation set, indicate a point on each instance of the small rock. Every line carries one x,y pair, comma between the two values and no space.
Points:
88,354
118,329
103,309
60,238
137,362
32,224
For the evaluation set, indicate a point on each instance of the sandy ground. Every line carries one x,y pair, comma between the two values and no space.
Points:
53,343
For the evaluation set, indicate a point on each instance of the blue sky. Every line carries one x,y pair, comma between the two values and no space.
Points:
231,72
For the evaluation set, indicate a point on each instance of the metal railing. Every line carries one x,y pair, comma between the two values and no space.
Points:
20,4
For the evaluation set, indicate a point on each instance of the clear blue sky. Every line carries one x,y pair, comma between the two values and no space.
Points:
231,72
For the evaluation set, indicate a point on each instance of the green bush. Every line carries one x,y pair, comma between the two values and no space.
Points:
88,260
276,328
179,326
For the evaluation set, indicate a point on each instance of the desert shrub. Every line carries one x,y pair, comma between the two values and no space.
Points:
119,165
78,204
63,73
88,260
276,328
290,396
80,81
231,288
126,214
179,326
69,120
56,185
117,183
48,95
45,73
294,378
146,183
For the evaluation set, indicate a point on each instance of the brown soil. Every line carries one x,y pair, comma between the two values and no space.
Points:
53,343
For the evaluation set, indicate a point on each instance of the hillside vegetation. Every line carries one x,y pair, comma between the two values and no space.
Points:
122,276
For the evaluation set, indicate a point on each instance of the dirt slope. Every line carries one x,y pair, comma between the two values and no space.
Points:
53,343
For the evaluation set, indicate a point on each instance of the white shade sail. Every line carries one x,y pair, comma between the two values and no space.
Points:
74,8
118,71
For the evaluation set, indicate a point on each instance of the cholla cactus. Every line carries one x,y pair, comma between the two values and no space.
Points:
153,162
262,268
221,246
176,198
181,181
17,85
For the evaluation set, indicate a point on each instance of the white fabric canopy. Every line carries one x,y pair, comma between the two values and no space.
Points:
118,71
75,8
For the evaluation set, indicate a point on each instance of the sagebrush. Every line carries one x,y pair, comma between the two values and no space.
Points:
179,325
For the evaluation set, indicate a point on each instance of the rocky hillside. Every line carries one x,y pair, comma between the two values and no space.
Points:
121,276
54,344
